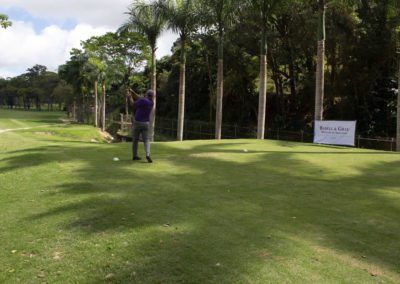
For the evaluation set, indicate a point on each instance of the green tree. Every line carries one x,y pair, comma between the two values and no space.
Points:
14,91
63,94
262,9
34,76
183,19
3,86
320,69
100,60
41,85
92,71
73,73
148,19
320,78
220,14
4,22
112,59
133,52
47,83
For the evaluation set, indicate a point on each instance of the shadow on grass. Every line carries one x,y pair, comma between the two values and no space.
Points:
207,218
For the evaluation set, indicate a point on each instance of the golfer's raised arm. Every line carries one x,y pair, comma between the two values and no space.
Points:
129,96
133,94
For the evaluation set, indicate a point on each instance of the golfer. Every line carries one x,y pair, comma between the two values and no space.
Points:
141,123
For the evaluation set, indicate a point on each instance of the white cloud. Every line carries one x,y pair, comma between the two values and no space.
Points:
22,47
108,13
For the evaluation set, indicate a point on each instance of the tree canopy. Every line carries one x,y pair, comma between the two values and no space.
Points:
4,22
360,59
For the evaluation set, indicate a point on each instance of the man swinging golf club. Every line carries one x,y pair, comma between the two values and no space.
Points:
141,123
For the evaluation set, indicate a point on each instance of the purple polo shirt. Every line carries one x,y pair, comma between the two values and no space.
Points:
143,109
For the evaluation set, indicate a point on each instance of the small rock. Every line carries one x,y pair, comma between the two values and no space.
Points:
41,274
110,276
57,255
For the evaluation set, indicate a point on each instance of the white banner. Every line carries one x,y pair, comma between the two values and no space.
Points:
335,132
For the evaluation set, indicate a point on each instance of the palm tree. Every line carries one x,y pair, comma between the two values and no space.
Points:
262,9
4,22
182,19
319,86
92,72
149,20
72,73
98,74
96,69
220,13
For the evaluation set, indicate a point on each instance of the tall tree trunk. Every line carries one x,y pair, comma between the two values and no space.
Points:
153,84
220,87
262,98
211,91
74,110
126,107
96,104
319,84
182,86
292,72
103,124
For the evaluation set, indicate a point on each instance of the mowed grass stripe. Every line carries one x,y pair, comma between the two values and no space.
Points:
203,212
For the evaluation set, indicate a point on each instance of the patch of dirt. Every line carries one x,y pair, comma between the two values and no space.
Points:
66,121
43,133
264,254
106,136
355,262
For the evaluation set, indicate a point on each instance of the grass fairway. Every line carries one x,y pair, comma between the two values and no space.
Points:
203,212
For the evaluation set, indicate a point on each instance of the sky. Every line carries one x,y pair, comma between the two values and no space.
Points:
44,31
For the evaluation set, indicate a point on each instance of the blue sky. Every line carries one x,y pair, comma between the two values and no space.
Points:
44,31
17,13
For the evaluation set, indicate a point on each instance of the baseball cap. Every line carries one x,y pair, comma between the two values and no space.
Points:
150,93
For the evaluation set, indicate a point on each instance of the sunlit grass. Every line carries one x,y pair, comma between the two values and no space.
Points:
23,119
203,212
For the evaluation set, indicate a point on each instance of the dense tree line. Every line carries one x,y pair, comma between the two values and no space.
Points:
360,70
244,62
35,89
